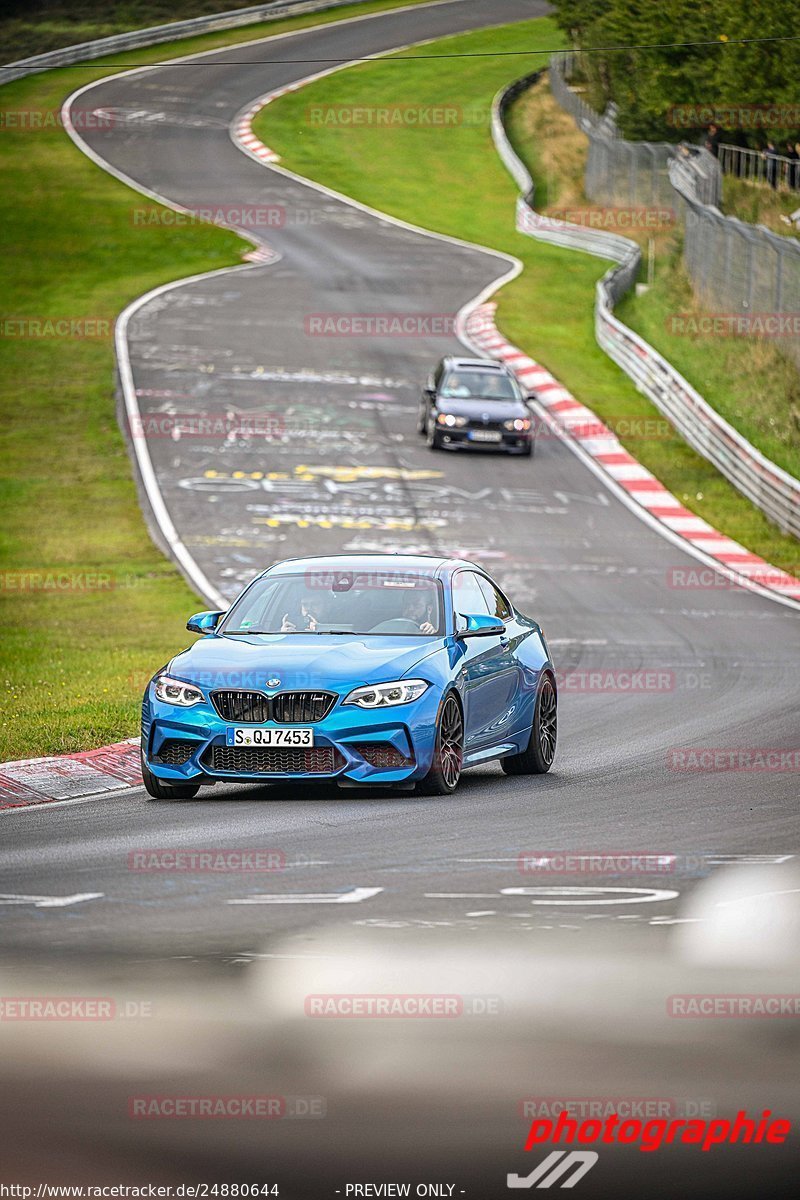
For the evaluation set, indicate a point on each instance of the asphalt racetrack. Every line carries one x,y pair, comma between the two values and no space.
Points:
348,472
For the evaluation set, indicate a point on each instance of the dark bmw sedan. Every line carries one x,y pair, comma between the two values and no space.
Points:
475,403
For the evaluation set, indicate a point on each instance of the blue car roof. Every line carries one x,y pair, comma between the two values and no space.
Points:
401,563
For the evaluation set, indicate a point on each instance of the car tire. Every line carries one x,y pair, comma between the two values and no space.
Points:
157,790
537,758
448,755
422,420
432,437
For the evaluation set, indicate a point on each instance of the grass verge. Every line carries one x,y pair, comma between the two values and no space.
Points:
454,183
89,607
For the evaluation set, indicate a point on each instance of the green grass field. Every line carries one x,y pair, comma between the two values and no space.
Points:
75,659
455,183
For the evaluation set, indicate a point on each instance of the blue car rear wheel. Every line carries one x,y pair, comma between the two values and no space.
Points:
537,758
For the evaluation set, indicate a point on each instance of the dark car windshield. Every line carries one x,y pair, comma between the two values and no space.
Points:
477,385
333,602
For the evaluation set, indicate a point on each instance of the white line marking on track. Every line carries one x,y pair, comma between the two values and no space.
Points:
354,896
50,901
556,896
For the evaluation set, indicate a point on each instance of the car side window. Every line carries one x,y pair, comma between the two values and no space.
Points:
498,605
468,596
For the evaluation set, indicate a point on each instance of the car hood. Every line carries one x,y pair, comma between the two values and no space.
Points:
300,660
497,410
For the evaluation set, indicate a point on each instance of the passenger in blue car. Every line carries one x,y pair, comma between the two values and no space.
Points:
304,622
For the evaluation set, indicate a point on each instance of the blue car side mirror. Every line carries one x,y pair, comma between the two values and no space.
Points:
481,625
204,622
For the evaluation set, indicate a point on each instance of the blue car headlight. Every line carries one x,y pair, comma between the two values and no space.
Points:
386,695
174,691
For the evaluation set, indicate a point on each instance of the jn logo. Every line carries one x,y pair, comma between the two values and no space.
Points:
553,1167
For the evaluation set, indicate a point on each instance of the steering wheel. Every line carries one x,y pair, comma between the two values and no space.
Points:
396,625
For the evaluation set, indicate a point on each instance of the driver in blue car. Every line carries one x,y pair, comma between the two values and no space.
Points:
418,607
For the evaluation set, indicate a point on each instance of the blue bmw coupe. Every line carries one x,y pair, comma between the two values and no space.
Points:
370,670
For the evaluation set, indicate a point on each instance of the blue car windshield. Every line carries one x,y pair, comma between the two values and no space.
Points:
478,385
363,603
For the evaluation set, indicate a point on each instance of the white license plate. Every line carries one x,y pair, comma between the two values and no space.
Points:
485,435
248,736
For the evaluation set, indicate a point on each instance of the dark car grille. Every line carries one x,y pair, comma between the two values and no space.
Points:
241,706
286,708
145,718
381,754
273,760
293,708
476,423
175,751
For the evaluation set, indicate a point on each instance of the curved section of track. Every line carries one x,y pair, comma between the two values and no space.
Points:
647,665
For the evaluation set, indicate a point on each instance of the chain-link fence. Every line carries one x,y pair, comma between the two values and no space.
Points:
774,491
747,276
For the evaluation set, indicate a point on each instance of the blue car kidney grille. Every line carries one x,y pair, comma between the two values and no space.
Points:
285,708
241,706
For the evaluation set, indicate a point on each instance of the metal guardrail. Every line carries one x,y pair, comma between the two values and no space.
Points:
773,490
83,51
759,166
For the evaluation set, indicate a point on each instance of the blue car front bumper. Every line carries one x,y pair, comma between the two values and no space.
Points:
354,745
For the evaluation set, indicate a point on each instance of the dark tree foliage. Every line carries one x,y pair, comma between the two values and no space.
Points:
670,93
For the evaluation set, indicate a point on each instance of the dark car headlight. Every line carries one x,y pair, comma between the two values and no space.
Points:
175,691
518,425
451,420
386,695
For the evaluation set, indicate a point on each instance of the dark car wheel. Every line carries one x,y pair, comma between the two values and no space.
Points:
538,757
432,437
422,419
157,790
448,755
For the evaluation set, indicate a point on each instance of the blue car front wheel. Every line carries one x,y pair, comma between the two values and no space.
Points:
448,754
157,790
